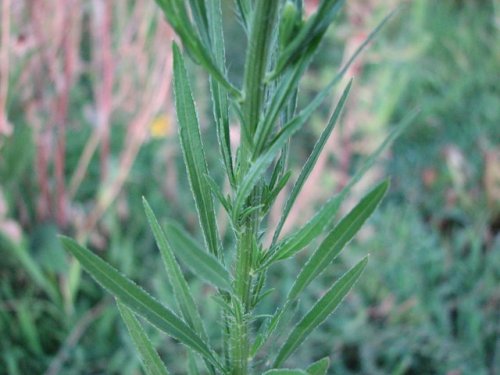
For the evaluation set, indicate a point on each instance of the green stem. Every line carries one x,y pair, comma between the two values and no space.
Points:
254,88
244,263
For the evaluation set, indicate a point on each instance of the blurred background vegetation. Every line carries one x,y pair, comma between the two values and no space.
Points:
87,128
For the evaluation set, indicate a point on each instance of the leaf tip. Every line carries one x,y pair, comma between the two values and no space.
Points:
145,204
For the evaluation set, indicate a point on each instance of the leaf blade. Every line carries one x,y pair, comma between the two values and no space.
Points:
259,167
319,367
336,240
201,263
180,286
311,160
320,311
151,361
295,242
220,103
137,299
194,154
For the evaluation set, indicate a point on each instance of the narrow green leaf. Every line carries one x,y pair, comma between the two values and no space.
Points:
320,311
244,9
319,367
280,318
219,93
285,371
31,266
194,155
311,161
199,12
336,240
259,167
180,287
290,21
371,159
192,366
138,300
285,90
311,107
302,237
279,187
176,14
204,265
314,28
256,62
298,240
216,191
150,359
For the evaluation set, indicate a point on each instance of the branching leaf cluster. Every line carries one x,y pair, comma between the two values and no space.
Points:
281,46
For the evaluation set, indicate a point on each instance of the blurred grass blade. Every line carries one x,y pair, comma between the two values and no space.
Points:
31,266
335,241
371,159
180,287
311,161
192,366
319,367
29,329
193,152
320,311
204,265
365,43
138,300
150,359
285,371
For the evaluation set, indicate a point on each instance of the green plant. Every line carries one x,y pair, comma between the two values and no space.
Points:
280,47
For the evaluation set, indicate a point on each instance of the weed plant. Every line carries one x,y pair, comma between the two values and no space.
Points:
281,45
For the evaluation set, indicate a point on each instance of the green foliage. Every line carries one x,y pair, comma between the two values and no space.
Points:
137,299
193,152
427,301
270,84
150,358
201,263
320,311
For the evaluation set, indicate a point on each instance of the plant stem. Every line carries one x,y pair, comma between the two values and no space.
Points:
254,88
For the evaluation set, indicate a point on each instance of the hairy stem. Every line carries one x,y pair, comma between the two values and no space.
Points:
254,90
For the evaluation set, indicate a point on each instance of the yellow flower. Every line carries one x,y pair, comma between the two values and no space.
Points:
160,127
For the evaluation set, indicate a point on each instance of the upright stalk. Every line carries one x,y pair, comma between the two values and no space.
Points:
254,89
